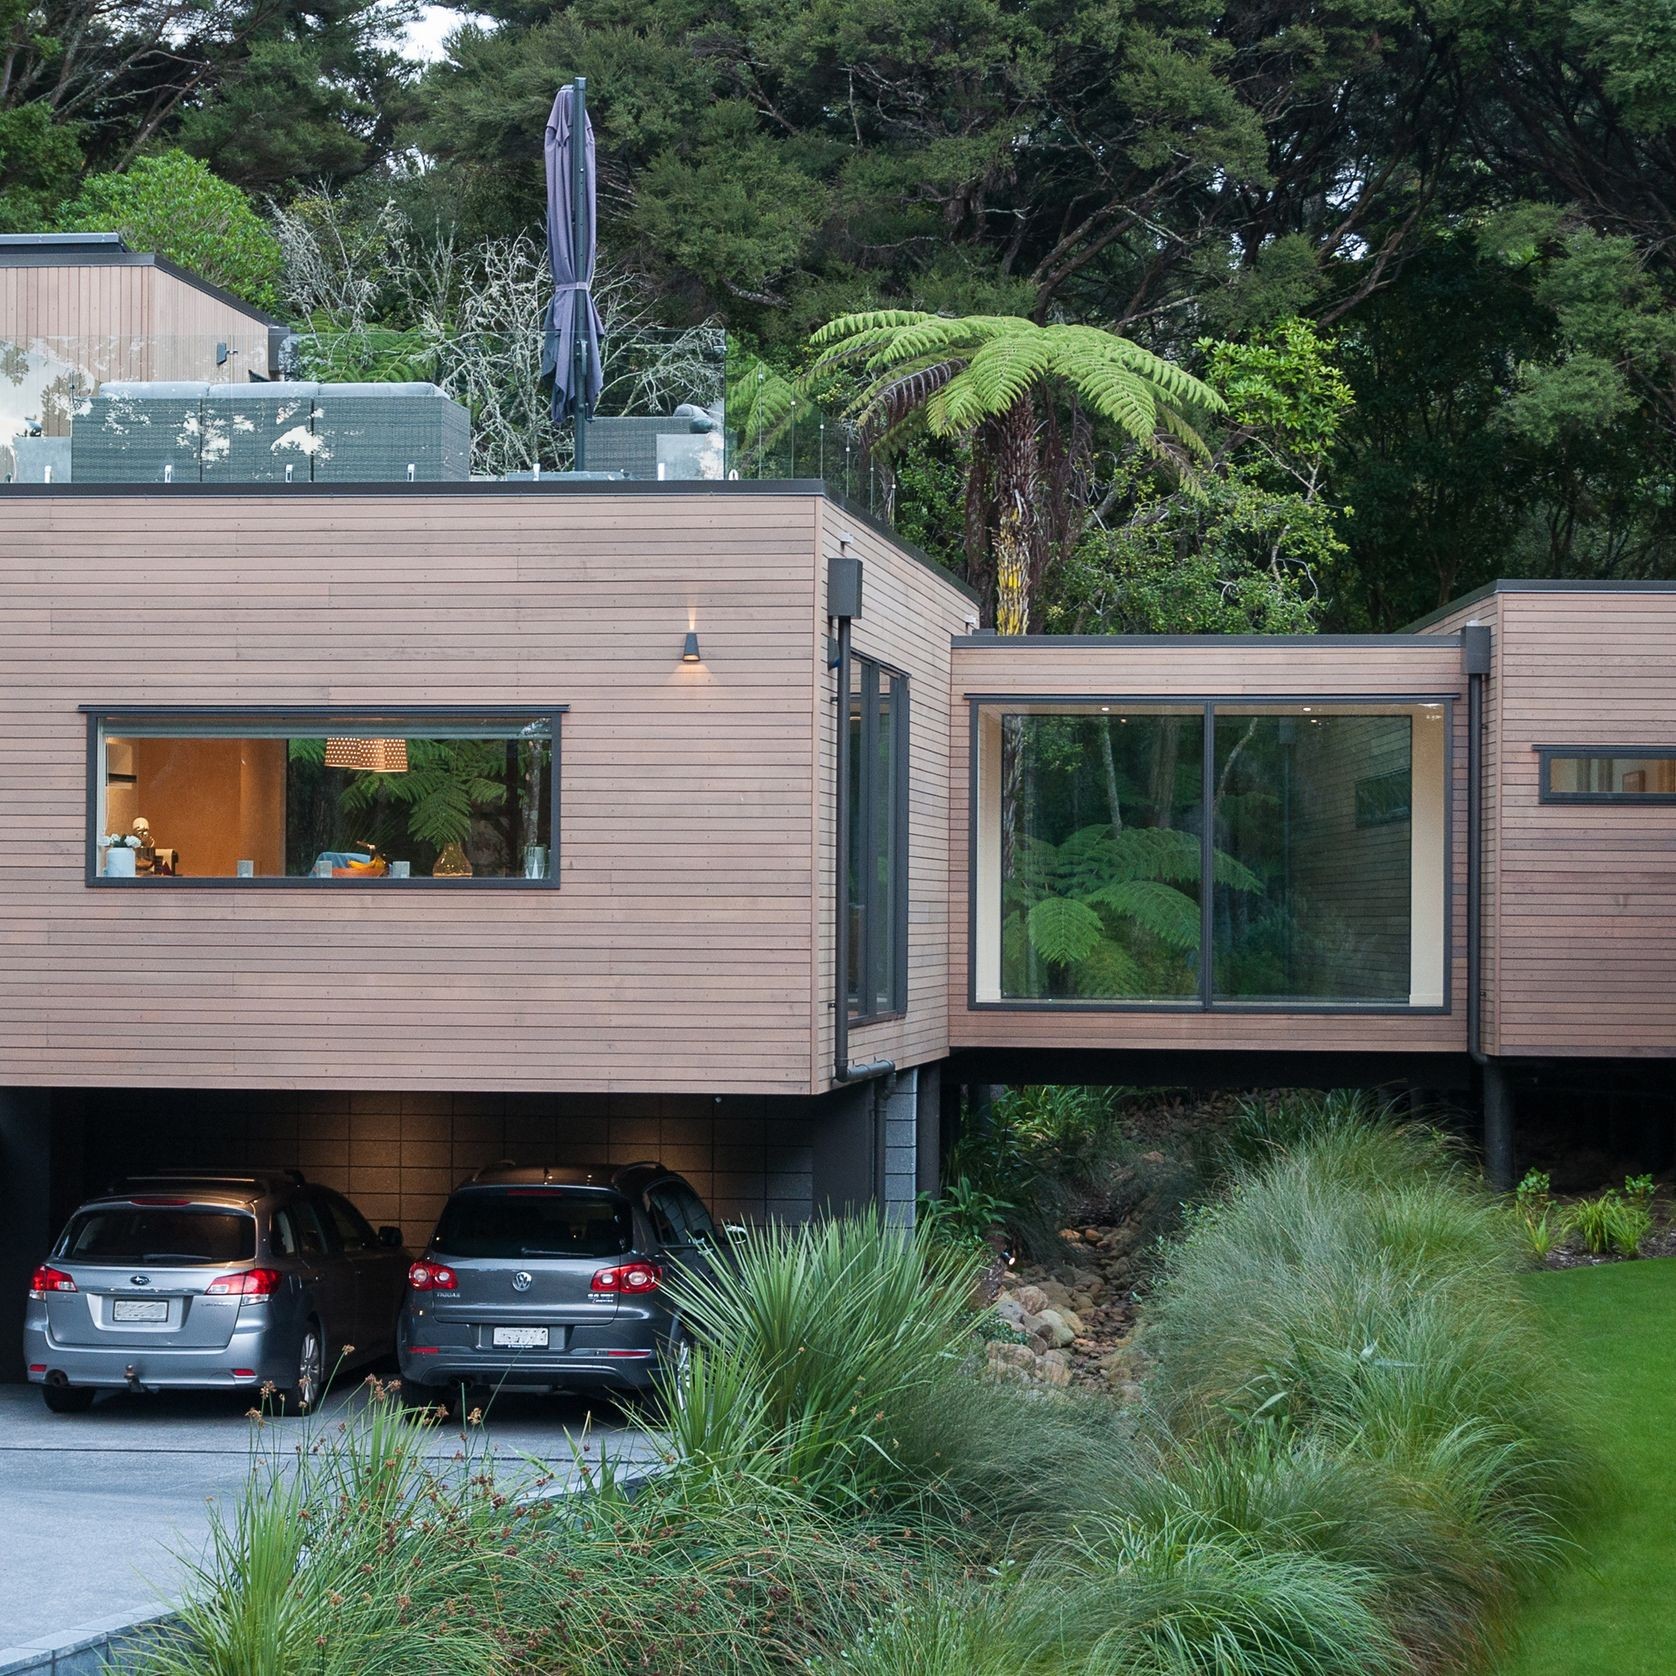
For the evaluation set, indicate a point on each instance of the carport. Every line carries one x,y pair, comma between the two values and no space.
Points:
397,1154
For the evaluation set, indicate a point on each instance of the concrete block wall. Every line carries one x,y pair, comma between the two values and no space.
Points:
398,1155
899,1100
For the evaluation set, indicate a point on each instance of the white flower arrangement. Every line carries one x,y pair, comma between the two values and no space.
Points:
120,840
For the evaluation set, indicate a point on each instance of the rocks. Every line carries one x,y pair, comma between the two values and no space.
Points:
1077,1315
1031,1299
1053,1367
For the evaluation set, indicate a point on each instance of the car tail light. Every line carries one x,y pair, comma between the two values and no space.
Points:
157,1199
251,1283
431,1277
629,1278
47,1279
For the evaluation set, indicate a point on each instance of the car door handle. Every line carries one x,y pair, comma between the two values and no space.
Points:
310,1279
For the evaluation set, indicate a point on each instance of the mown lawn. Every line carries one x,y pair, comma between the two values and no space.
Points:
1615,1613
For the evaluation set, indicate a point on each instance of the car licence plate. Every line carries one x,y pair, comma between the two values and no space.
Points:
520,1338
139,1309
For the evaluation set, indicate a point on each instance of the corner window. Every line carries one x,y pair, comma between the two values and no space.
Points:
1223,854
1608,774
325,799
877,886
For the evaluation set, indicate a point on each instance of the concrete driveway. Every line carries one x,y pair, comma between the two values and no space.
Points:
97,1509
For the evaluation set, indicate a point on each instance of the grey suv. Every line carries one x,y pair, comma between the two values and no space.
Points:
211,1282
545,1280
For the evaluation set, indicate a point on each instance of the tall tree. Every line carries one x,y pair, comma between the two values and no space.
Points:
1028,401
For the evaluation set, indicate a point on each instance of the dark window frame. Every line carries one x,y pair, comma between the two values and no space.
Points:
1597,753
1206,706
864,690
302,722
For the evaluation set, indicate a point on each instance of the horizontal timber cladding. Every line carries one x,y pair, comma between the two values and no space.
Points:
910,613
1195,669
679,951
1586,898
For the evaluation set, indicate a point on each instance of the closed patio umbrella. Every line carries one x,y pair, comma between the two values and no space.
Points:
570,351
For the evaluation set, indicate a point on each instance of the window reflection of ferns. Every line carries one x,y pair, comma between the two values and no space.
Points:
1110,912
482,794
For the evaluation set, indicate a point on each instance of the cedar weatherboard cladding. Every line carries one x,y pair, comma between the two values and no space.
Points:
1585,903
676,954
688,946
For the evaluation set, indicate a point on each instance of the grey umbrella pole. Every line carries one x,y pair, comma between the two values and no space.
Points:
578,230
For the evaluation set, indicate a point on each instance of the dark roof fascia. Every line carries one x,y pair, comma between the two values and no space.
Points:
1131,641
796,486
116,256
1540,585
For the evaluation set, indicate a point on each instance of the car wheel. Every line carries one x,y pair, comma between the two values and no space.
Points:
675,1381
68,1399
304,1391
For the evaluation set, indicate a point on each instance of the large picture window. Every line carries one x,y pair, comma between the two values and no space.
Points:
876,891
327,798
1223,854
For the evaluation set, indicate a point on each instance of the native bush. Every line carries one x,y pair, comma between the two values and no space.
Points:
1357,1296
1616,1224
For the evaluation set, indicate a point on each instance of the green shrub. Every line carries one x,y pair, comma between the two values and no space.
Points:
1358,1296
1163,1598
1279,1120
809,1347
845,1359
360,1555
1541,1224
964,1216
1615,1224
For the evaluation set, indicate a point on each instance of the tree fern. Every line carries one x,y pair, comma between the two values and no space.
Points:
1064,931
1017,394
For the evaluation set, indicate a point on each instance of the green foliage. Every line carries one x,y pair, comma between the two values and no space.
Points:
1541,1223
1253,541
359,1553
810,1346
174,205
1268,1125
1115,910
950,375
1616,1224
1358,1295
963,1216
39,164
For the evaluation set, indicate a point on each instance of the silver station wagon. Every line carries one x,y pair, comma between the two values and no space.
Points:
551,1279
211,1282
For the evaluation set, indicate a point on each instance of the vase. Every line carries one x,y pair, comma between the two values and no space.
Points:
452,863
119,862
535,861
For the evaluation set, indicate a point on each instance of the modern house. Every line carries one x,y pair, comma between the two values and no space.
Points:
562,820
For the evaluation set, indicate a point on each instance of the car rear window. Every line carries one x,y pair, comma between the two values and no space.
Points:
160,1234
535,1222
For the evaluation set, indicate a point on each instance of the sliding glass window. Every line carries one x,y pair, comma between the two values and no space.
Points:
323,797
877,887
1325,851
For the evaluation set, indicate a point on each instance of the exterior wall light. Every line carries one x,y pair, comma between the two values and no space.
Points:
689,647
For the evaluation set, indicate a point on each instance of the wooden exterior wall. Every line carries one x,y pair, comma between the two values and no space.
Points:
910,616
86,323
1194,670
1581,899
679,954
